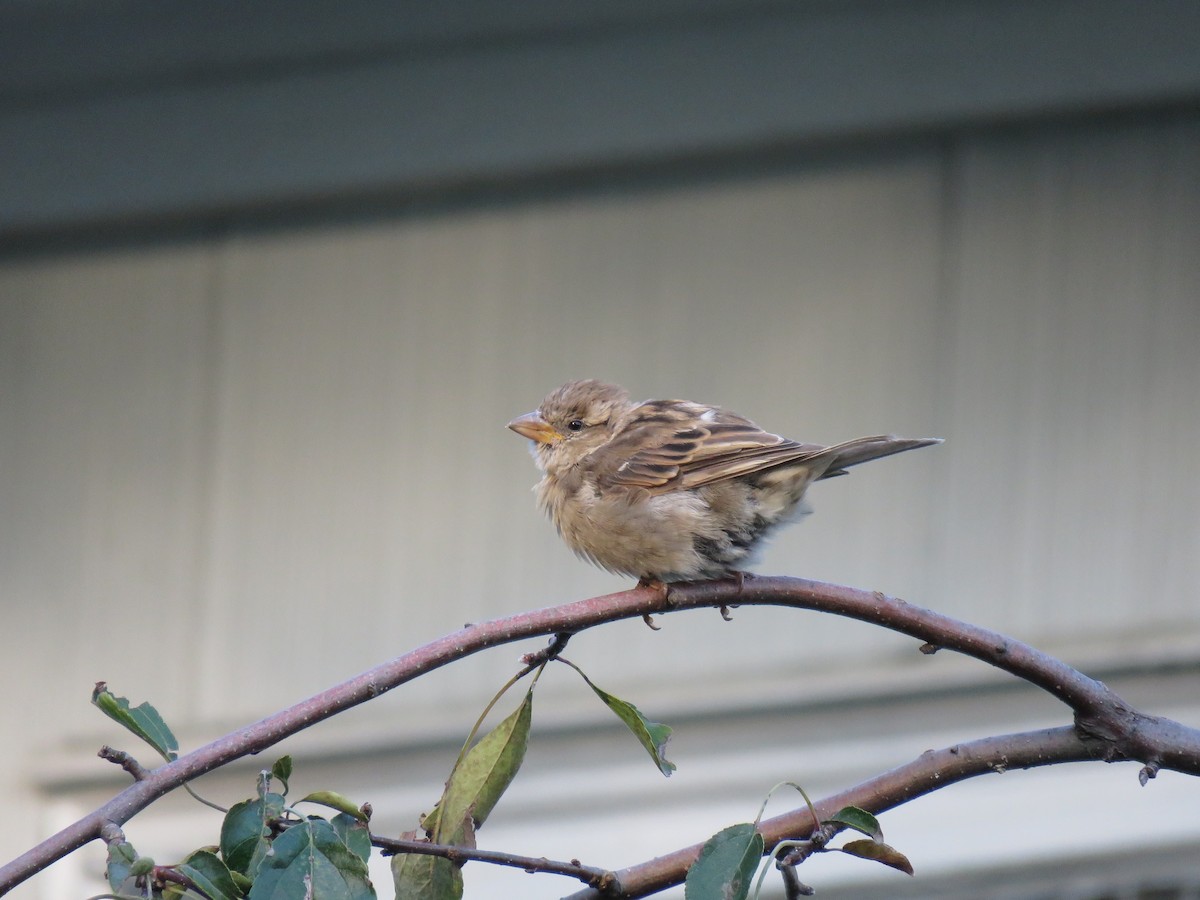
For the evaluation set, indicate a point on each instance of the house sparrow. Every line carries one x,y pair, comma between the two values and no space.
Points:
669,490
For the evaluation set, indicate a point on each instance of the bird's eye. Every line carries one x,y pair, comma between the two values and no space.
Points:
575,425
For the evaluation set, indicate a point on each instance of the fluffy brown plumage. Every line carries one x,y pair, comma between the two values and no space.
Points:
669,490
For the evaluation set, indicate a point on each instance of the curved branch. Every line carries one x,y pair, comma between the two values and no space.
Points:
1118,732
1100,714
931,771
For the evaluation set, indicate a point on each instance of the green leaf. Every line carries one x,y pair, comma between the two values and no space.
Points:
244,884
652,735
858,819
430,820
121,857
244,832
143,865
480,779
206,871
282,770
879,852
725,867
309,860
354,834
335,801
420,877
143,720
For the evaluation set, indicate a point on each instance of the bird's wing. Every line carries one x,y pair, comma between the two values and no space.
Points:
673,445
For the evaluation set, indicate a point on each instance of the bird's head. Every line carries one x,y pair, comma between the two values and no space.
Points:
572,422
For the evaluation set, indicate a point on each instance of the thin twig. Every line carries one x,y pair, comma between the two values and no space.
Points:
122,758
601,879
551,651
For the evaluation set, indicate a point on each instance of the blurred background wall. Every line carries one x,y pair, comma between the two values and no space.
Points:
273,277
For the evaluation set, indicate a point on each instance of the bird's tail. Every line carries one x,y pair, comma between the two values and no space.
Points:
865,449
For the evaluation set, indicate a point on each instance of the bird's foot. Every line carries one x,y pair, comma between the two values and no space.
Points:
657,585
740,577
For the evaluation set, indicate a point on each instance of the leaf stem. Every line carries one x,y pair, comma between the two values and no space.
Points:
491,704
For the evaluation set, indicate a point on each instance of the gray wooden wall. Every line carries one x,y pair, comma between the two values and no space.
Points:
234,470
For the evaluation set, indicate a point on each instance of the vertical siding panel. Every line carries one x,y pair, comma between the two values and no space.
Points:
1075,375
104,411
104,375
1166,525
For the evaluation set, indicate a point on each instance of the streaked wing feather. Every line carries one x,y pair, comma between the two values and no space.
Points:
826,460
711,445
745,462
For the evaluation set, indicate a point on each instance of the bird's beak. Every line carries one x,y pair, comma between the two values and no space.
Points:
534,427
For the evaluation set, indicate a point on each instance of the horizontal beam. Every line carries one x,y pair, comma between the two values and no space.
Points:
335,104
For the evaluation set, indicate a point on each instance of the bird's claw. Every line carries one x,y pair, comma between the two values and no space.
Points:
657,585
740,577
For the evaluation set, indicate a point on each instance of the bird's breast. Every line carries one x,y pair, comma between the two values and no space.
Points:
629,532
